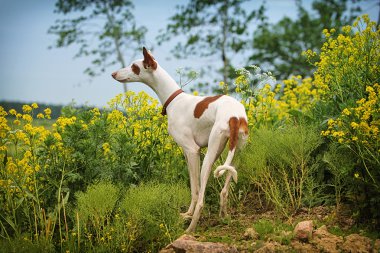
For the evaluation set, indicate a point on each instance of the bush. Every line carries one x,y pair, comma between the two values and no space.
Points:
349,70
99,224
126,143
24,245
95,206
156,209
42,168
280,162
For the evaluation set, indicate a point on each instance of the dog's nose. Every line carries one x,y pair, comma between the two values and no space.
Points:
114,74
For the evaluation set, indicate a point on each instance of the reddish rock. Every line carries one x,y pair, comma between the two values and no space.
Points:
188,244
304,230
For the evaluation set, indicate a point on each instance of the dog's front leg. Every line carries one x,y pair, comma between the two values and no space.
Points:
193,159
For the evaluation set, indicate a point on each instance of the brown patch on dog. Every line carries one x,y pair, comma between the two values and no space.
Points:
234,132
201,107
243,124
235,126
135,69
149,61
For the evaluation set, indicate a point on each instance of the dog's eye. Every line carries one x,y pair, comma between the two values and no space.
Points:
135,69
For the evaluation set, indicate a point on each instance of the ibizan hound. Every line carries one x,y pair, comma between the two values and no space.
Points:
194,122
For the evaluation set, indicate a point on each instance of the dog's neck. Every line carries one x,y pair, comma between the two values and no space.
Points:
163,84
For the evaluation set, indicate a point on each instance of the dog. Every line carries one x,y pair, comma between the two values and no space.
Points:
194,122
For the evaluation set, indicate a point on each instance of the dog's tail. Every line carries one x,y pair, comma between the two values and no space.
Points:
238,126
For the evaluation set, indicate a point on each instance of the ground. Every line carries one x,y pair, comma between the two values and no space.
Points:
255,230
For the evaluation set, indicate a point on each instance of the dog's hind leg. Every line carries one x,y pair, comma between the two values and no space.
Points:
224,196
231,173
216,144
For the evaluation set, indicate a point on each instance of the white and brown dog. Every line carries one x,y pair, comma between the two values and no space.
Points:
194,122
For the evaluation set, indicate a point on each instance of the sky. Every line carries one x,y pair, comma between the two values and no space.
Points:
30,72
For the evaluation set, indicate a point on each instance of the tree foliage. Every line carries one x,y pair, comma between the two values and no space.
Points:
211,28
103,30
278,47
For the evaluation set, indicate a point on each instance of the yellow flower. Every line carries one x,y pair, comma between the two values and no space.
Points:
12,112
106,148
57,136
96,111
325,133
330,122
27,118
354,125
346,112
27,108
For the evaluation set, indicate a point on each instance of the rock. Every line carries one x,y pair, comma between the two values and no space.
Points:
356,244
325,241
189,244
304,230
251,234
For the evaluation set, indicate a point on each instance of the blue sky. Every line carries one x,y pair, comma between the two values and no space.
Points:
30,72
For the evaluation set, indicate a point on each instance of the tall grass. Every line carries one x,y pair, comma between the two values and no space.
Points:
280,163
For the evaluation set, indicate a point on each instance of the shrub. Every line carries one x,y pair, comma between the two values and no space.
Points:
339,161
281,164
126,143
156,208
349,69
348,63
95,206
274,104
100,226
24,245
42,168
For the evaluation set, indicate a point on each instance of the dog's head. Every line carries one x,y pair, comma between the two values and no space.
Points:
139,71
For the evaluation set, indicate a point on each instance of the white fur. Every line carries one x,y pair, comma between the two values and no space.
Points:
211,130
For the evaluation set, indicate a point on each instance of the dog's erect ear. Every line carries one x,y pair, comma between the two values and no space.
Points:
149,61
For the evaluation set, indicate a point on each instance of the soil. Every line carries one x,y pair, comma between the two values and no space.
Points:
333,230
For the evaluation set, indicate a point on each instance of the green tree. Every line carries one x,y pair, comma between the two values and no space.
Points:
104,30
278,47
211,28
